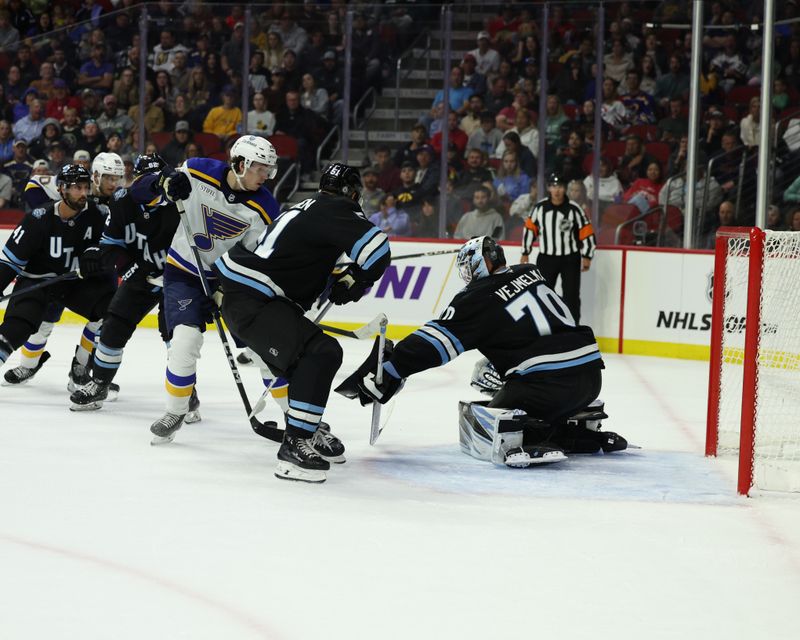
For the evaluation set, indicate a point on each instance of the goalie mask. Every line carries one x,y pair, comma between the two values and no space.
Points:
471,259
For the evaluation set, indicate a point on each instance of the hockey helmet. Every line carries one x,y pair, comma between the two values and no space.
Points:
555,179
107,163
471,260
254,149
72,174
148,163
341,179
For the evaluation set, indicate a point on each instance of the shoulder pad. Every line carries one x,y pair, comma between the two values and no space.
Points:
120,193
38,213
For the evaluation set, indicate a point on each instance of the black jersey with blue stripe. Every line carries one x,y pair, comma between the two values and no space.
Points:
513,318
142,231
295,255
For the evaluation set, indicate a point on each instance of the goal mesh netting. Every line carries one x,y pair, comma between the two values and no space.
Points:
774,384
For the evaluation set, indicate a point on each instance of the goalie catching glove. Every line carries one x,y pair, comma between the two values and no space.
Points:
349,286
361,383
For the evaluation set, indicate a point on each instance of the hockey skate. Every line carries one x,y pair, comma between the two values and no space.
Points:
328,445
194,408
527,455
78,376
164,428
21,375
89,397
297,460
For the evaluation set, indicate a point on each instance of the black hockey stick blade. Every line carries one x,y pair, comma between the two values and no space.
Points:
269,430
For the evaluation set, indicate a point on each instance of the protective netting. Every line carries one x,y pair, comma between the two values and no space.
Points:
777,419
777,425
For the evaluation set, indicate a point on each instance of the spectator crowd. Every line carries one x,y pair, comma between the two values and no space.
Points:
70,89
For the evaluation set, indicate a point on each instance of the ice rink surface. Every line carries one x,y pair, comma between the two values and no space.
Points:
103,536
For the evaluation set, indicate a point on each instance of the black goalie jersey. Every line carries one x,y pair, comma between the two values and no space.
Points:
513,318
295,254
44,245
140,232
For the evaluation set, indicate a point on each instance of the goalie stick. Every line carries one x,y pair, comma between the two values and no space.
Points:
375,426
265,430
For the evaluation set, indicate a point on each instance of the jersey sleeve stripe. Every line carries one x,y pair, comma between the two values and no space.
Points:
104,239
8,254
32,185
360,244
241,279
204,177
377,254
553,366
531,363
254,205
437,344
456,342
447,343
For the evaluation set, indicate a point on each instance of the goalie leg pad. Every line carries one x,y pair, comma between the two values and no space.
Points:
505,436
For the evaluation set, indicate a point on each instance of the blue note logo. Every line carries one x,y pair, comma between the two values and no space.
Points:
218,226
184,304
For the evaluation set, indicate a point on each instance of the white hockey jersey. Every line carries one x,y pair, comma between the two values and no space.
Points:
218,216
46,183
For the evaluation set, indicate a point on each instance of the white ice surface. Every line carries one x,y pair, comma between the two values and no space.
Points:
103,536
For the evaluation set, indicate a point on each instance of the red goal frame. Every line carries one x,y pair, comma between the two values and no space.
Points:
751,347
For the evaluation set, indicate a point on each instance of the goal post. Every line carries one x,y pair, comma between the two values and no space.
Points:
754,368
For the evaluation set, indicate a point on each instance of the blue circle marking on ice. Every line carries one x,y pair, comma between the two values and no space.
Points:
633,475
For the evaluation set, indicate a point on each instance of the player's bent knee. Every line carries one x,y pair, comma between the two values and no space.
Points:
185,344
325,349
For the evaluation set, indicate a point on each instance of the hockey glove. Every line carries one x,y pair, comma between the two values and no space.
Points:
370,391
91,262
485,377
349,286
175,185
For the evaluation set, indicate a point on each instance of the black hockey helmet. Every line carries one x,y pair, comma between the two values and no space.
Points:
72,174
148,163
341,179
555,179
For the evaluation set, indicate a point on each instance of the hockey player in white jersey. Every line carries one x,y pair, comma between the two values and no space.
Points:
107,170
225,203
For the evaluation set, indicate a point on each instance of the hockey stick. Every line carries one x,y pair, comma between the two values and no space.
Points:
424,254
375,425
264,430
366,331
70,275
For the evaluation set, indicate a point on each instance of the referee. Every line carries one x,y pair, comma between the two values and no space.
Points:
566,242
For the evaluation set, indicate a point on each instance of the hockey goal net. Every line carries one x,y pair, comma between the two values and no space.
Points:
754,375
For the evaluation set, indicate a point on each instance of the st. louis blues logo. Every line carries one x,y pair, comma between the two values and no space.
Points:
219,226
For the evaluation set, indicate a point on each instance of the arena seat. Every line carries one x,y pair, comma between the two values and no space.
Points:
209,142
161,139
11,216
742,95
660,151
285,146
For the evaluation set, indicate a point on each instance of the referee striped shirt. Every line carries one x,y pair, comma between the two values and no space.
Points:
561,230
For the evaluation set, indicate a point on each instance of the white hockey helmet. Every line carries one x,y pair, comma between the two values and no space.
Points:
471,260
254,149
107,163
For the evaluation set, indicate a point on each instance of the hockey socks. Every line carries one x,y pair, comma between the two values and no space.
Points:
86,346
32,350
106,363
